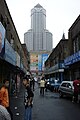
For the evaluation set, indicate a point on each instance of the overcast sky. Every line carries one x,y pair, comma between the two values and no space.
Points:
60,15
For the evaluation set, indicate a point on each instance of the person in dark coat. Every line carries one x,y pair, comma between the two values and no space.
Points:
76,84
28,99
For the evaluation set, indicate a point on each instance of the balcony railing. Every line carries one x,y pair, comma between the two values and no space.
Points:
55,67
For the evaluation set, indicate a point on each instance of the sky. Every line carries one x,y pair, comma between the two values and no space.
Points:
60,15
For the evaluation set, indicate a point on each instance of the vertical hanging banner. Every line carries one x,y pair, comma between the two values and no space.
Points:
39,62
2,37
44,58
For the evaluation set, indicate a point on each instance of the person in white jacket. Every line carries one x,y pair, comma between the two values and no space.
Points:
42,86
4,115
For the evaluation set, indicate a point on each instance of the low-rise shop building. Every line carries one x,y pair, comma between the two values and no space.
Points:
54,65
72,62
13,61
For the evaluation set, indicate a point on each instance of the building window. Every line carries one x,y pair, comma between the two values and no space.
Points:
79,41
76,44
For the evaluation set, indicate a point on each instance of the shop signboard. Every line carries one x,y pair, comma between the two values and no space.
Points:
10,55
2,37
34,62
33,68
72,59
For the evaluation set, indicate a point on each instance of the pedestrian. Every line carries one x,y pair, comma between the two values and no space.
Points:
4,115
4,100
76,84
33,83
45,85
42,86
28,99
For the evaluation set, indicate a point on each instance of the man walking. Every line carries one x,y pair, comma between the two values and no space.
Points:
28,99
42,86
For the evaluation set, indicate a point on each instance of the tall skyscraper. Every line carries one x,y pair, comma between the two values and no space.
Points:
38,38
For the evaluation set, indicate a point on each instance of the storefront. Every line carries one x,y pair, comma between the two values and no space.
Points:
55,72
72,66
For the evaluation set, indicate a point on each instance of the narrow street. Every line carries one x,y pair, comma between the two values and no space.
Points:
47,107
40,42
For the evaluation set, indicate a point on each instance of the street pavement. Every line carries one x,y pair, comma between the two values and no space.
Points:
47,107
17,105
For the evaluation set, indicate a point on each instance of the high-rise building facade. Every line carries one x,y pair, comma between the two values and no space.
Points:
28,39
38,38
